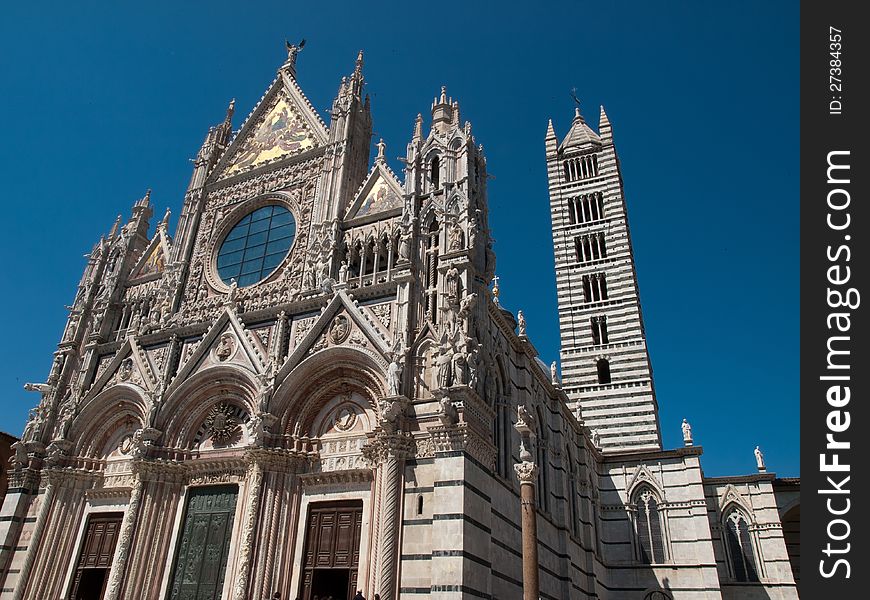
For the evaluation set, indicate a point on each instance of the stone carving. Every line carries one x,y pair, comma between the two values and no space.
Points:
125,371
554,373
226,347
20,459
345,418
340,329
220,424
342,272
521,320
526,471
596,438
447,410
455,236
126,445
687,433
759,460
394,376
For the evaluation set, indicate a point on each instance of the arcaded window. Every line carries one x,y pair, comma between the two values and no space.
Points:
738,541
648,528
599,330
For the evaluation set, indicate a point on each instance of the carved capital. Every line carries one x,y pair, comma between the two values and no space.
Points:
526,471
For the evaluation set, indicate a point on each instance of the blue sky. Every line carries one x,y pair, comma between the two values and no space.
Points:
101,101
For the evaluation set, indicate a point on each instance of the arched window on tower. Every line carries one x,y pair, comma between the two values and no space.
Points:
738,541
648,528
435,173
603,367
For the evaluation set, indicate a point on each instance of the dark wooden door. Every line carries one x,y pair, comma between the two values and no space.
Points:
331,556
95,560
201,558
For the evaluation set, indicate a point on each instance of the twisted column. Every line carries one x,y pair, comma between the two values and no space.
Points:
125,541
389,526
254,484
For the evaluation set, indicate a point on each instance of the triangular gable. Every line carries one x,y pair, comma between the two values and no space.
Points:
644,476
732,495
227,342
340,305
155,257
130,366
283,123
380,192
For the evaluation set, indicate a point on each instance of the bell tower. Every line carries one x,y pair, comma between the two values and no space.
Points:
606,369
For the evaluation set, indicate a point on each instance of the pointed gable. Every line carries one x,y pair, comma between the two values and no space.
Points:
283,124
381,192
155,257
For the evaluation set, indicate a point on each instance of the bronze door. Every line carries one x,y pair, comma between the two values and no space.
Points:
95,560
331,558
201,558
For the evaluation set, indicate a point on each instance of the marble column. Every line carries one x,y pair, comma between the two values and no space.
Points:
253,485
527,473
125,541
34,543
387,454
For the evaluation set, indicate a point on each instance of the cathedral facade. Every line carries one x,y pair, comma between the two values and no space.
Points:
311,389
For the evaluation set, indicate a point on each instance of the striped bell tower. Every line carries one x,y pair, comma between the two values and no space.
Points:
606,369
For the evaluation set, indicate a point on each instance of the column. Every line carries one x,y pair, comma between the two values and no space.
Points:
125,541
527,473
253,485
35,539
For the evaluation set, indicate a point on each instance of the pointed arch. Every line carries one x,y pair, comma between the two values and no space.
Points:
186,407
649,528
103,414
300,397
740,544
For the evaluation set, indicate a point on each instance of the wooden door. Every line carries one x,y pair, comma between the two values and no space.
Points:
95,559
331,555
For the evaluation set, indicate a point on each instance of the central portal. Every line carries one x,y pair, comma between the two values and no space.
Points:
331,558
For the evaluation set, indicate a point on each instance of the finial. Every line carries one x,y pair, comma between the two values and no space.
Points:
381,145
577,114
231,108
115,227
418,127
495,289
443,99
164,224
359,62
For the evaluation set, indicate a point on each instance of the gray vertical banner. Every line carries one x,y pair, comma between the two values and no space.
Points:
835,424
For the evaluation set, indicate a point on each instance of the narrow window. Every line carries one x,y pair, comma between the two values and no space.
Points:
599,204
650,542
599,330
602,286
578,248
543,491
567,171
420,504
602,247
740,549
435,174
587,288
603,367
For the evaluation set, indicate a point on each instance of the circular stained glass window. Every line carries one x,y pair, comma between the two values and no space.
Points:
255,247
